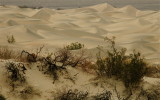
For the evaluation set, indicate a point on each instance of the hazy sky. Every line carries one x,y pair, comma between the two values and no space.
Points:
141,4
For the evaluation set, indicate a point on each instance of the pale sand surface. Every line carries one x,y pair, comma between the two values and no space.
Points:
32,28
133,29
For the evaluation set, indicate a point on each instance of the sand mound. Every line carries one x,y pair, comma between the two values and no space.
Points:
44,14
130,10
102,7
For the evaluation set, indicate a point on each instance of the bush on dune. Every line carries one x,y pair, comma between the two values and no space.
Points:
16,74
75,46
11,39
130,69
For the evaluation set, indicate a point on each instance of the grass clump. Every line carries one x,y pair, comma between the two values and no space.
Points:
11,39
2,97
75,46
7,53
130,69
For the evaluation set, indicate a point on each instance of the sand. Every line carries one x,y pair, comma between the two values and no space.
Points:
134,29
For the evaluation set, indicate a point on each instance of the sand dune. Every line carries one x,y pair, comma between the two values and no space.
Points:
134,29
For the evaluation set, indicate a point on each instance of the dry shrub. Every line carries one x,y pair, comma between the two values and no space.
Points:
15,74
11,39
130,69
26,56
7,53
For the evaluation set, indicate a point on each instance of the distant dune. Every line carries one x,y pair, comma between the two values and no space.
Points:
140,4
133,29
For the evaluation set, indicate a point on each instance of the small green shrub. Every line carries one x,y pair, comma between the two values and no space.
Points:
75,46
134,70
2,97
11,39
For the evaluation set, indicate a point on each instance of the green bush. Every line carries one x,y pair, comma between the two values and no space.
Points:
75,46
134,70
130,69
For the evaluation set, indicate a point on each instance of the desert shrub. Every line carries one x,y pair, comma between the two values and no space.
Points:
134,70
114,63
16,72
65,58
11,39
26,56
75,46
2,97
7,53
103,96
73,95
130,69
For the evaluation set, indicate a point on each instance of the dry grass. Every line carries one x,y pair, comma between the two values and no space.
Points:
7,53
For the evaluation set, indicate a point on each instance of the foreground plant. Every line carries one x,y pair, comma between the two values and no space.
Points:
130,69
15,73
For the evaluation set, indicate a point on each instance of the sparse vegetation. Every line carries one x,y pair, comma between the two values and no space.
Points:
11,39
73,95
75,46
16,71
7,53
106,95
130,69
30,57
